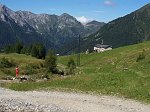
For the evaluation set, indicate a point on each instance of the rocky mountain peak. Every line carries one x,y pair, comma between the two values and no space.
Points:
66,19
65,15
1,6
5,9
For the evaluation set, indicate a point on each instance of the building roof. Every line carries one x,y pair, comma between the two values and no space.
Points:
102,46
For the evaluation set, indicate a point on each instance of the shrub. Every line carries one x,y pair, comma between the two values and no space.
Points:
50,62
41,65
29,70
71,67
8,72
141,56
4,62
47,75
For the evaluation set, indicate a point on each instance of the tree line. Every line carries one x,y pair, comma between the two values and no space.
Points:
37,50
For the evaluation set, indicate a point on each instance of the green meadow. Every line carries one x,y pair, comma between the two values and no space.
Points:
121,72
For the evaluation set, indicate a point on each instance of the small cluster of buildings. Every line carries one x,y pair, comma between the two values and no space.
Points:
101,48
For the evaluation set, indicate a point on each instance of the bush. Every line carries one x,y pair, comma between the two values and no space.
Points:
50,62
141,56
8,72
71,66
29,70
5,63
47,75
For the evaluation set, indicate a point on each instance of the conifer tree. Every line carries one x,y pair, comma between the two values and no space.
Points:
50,61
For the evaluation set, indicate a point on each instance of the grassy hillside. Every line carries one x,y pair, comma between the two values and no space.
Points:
27,64
115,72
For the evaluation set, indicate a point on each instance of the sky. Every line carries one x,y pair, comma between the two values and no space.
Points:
83,10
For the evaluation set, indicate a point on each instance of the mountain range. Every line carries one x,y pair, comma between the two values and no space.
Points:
61,33
55,32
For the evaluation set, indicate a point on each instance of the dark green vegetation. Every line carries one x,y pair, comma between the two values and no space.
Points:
36,50
71,66
50,62
115,72
5,63
130,29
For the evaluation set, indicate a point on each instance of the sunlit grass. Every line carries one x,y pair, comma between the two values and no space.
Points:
113,72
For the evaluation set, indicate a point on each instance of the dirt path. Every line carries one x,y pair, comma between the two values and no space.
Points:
65,102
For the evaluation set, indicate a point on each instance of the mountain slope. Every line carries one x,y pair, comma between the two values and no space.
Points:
52,30
93,26
131,29
13,28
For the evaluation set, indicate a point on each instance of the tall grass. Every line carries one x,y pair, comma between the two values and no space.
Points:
27,64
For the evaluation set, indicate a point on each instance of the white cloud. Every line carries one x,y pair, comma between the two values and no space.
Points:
109,3
83,19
